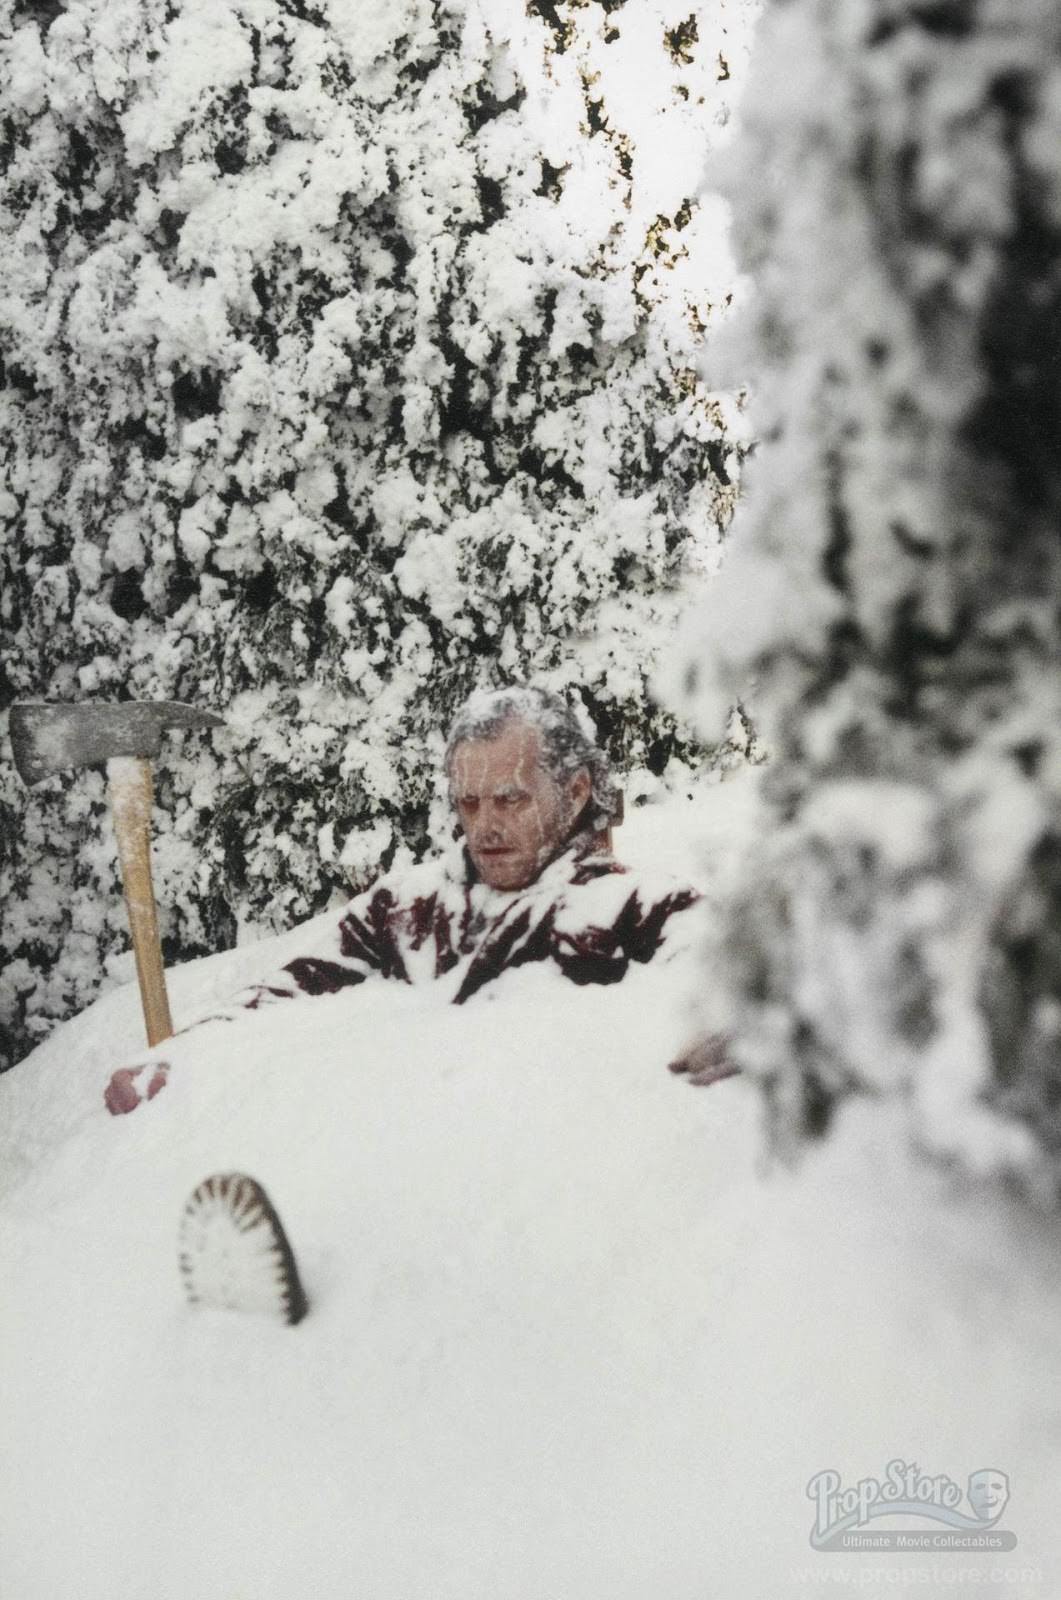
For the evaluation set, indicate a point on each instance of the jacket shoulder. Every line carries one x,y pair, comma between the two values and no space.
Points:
603,885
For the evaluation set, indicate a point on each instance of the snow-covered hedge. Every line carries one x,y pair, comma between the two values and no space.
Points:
892,582
348,361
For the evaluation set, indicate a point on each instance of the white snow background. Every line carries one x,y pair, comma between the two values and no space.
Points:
570,1335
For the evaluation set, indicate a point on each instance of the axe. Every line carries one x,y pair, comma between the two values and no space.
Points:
48,738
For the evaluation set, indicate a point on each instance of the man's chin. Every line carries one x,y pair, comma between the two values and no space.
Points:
504,871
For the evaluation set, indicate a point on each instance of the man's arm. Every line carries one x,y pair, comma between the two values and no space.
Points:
645,926
362,942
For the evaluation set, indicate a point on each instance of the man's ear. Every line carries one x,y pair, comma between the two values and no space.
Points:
579,789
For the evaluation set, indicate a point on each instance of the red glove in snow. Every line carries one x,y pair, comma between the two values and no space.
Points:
123,1094
706,1061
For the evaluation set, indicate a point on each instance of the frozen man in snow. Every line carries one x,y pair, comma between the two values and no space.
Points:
532,880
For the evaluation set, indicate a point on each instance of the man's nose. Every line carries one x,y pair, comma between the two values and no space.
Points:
488,821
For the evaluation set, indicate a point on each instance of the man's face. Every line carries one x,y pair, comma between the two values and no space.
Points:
515,818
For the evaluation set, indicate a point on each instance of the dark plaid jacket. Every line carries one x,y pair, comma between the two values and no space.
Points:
586,914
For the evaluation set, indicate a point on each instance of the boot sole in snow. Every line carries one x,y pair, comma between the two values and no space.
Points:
234,1253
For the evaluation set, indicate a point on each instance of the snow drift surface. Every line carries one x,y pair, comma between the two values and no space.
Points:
565,1339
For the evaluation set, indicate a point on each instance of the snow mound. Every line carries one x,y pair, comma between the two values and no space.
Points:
565,1336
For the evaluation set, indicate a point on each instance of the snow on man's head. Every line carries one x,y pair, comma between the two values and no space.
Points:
566,736
524,776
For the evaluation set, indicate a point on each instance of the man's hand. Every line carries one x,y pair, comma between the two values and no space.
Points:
706,1061
124,1094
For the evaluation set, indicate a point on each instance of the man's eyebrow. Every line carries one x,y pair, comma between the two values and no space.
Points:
501,793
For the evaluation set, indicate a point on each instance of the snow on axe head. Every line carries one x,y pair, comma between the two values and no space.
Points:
46,739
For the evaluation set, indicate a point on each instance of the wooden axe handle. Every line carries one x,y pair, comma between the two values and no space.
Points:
131,798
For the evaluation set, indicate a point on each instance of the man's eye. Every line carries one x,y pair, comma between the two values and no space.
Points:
469,805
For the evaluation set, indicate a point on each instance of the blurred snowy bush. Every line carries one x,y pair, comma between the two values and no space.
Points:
889,600
349,360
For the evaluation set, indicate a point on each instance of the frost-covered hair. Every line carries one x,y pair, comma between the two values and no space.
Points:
566,747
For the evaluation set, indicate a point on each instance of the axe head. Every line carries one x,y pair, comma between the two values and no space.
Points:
47,738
